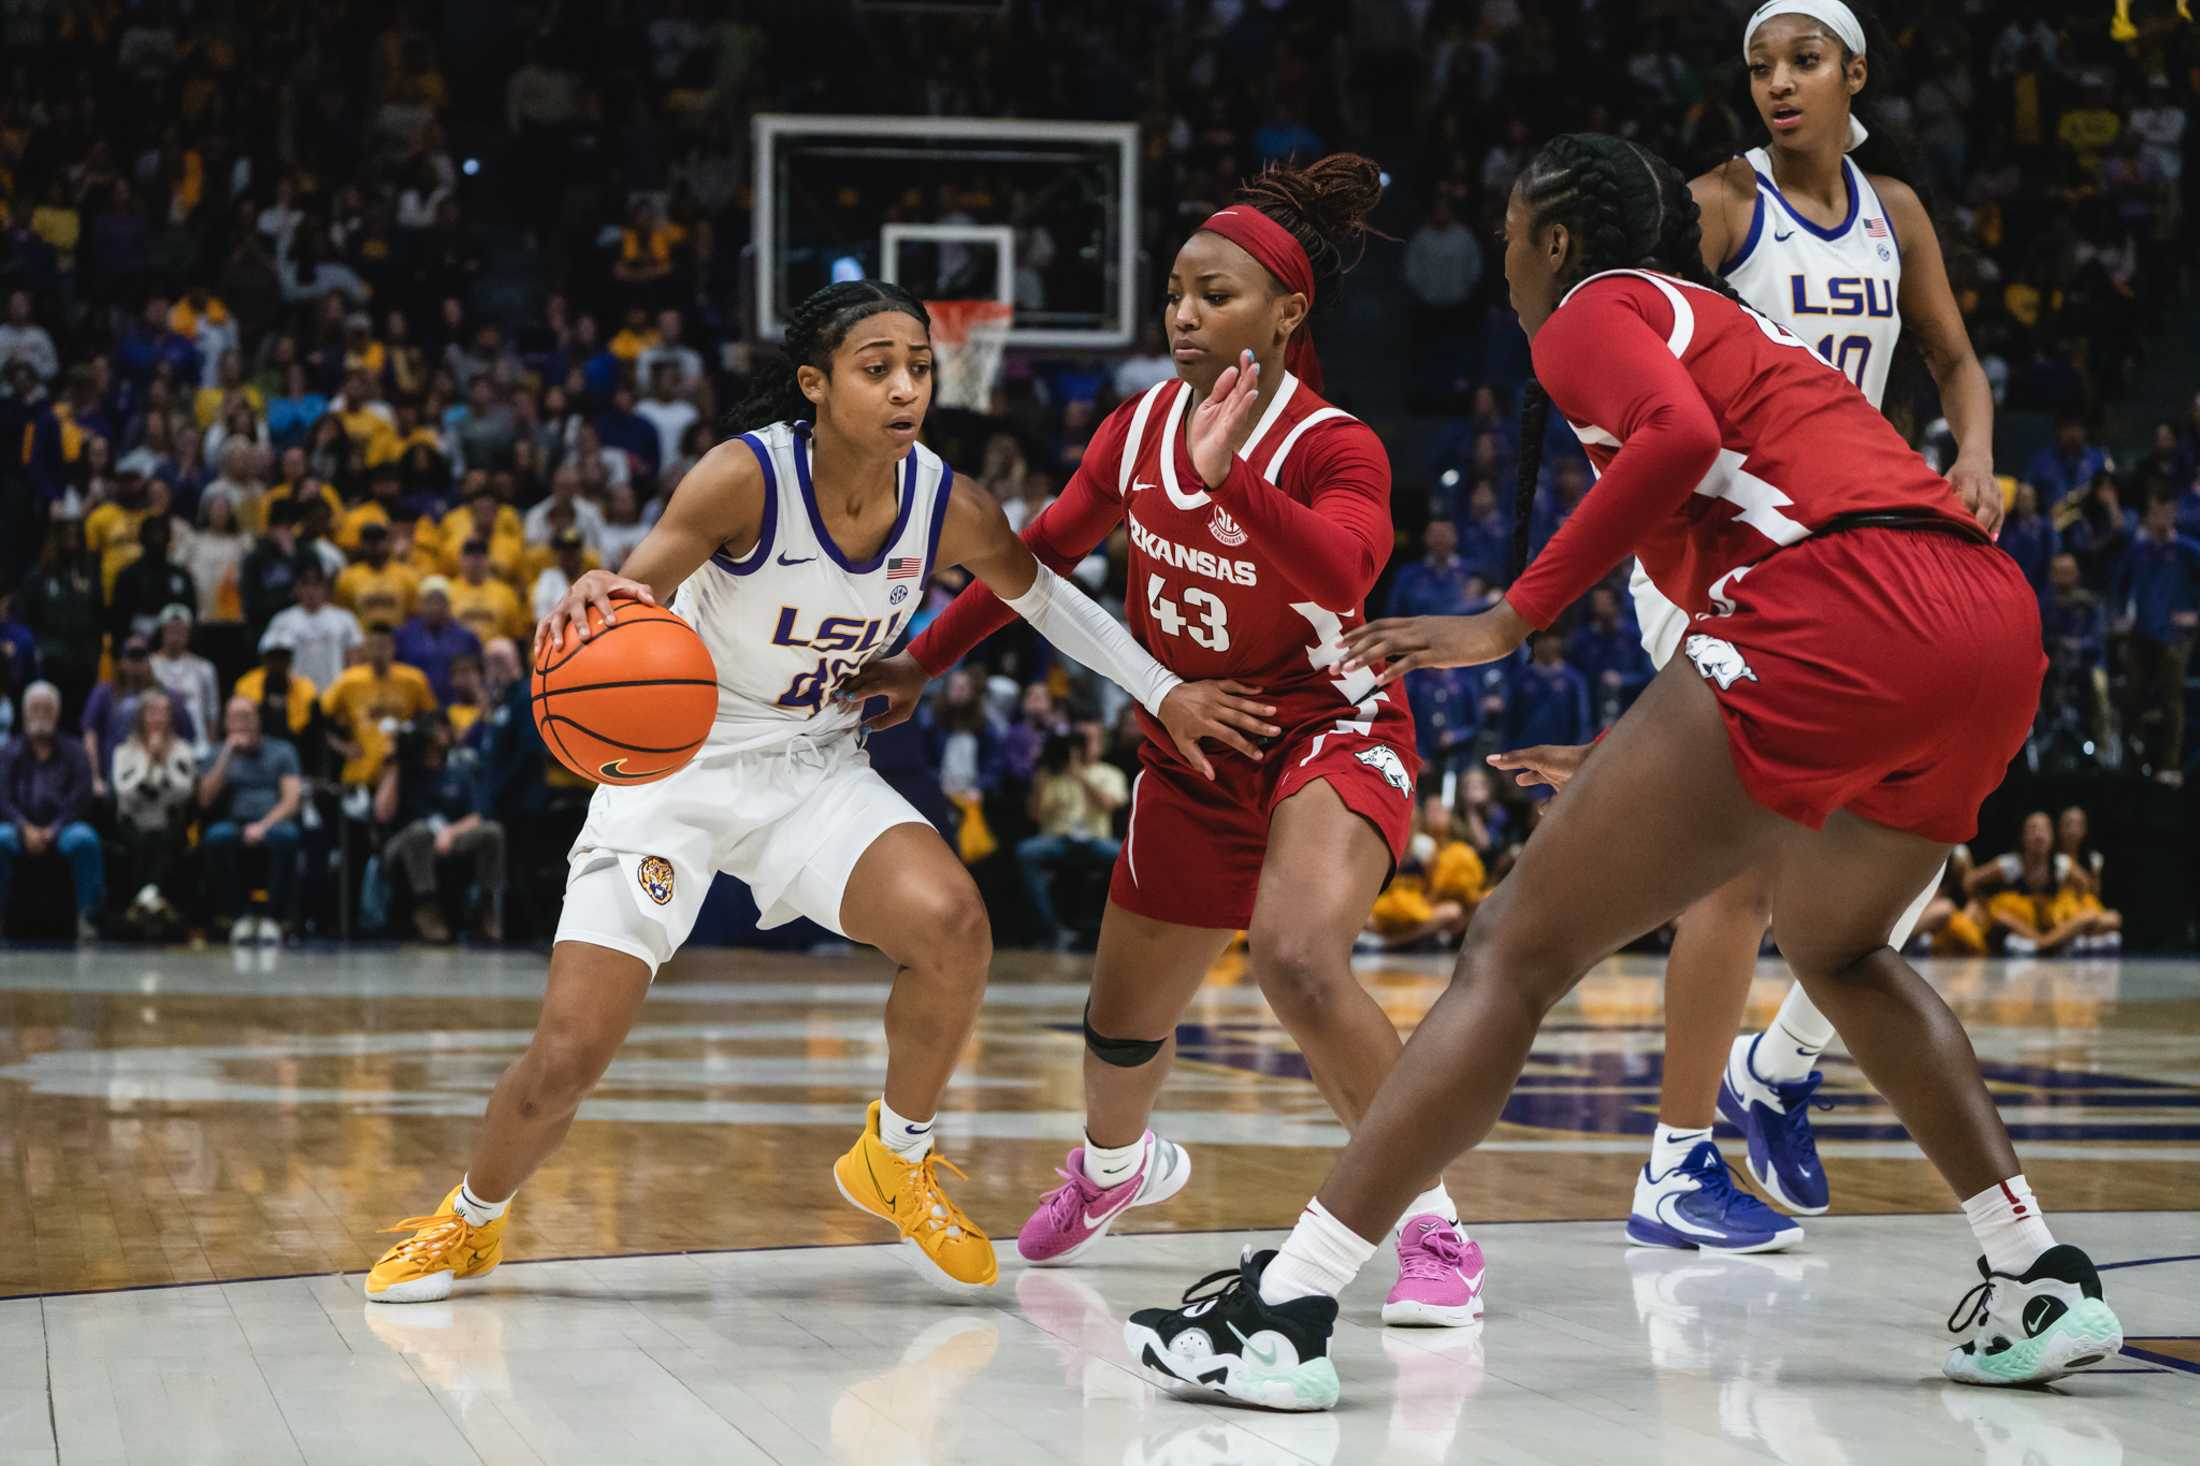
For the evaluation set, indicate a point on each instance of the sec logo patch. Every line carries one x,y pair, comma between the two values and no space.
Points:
655,874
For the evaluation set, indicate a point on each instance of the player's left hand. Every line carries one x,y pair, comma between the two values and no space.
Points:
1980,492
1409,643
1223,710
1220,425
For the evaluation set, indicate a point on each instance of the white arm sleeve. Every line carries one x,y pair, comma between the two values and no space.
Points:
1079,629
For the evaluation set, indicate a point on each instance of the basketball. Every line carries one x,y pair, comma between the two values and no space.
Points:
632,703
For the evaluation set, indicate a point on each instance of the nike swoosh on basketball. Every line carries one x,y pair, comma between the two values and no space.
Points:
806,559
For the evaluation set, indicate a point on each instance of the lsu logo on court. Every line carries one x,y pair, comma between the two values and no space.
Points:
1717,660
1384,760
655,875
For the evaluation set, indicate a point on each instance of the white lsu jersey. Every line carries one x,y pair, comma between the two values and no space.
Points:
791,620
1838,289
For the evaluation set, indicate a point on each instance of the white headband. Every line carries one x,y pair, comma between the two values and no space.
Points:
1835,17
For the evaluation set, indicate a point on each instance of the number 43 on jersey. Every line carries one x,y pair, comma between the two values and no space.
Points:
1211,631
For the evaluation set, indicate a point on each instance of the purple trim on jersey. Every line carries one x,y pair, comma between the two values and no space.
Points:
754,560
817,520
939,522
1886,217
1756,227
1856,203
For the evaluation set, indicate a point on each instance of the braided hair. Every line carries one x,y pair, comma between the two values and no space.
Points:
814,332
1625,208
1325,205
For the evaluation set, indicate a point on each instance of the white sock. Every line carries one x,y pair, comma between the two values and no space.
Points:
1794,1041
1320,1256
1435,1200
1670,1145
1112,1165
478,1213
2009,1226
909,1139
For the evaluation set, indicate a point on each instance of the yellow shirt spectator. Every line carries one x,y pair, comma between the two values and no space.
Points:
489,609
462,716
362,700
290,491
111,532
378,593
539,558
206,403
184,317
298,697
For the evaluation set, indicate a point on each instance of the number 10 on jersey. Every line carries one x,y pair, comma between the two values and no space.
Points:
1211,630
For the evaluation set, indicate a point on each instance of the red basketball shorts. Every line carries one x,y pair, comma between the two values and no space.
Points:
1893,673
1193,852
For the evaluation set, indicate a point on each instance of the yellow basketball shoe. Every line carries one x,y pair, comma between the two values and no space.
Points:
958,1257
442,1250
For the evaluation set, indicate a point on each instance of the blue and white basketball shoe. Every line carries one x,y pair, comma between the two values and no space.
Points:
1696,1205
1775,1120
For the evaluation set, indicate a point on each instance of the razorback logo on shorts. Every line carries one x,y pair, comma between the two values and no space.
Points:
1717,660
655,874
1384,760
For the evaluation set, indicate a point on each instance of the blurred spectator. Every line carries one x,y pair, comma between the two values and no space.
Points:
185,676
1440,583
60,604
111,710
1447,710
288,703
156,785
1150,364
1483,822
214,552
623,527
375,587
431,640
1550,701
250,792
1074,797
671,351
565,488
1438,885
2075,630
367,702
469,696
2034,896
46,807
1608,653
666,410
320,635
23,339
623,430
429,806
267,576
1485,535
2067,465
569,561
2029,536
480,432
2098,528
149,582
2157,599
509,772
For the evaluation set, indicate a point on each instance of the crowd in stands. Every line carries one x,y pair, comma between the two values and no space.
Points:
335,344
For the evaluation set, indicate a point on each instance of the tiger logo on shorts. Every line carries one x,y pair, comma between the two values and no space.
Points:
1718,661
1384,760
655,874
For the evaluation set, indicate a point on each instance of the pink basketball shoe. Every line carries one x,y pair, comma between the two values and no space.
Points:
1079,1212
1439,1276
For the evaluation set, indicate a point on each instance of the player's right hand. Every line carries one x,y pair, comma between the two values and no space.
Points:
899,679
1223,710
1546,763
596,588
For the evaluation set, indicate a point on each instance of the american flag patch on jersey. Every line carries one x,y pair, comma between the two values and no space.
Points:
1875,228
905,567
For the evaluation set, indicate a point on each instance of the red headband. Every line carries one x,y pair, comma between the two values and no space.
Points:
1283,257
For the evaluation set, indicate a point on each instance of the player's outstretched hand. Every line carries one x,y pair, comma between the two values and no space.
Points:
1546,763
597,588
899,679
1409,643
1229,712
1980,492
1221,424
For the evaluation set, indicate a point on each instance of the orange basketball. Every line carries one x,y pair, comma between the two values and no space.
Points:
633,702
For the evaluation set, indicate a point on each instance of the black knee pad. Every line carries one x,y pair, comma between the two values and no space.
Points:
1123,1053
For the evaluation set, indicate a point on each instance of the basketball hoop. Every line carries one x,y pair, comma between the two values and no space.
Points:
968,337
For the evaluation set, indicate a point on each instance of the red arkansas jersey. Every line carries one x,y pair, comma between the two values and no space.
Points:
1217,594
1666,369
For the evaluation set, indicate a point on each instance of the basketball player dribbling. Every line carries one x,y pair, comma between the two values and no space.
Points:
1258,517
1809,239
798,551
1862,665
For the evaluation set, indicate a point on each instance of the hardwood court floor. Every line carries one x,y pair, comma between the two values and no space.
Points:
199,1148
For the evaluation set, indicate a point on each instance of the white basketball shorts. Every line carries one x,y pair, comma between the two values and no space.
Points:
791,820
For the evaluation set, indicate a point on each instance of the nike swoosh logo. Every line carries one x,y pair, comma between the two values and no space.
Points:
806,559
1138,484
1092,1221
2035,1315
1779,238
1266,1358
874,1181
1681,1224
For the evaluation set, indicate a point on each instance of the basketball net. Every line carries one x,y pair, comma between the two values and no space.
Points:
968,337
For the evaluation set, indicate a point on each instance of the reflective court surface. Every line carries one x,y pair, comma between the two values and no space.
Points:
200,1148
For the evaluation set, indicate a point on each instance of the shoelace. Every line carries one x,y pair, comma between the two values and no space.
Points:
434,1237
1065,1202
1972,1308
1799,1102
1439,1255
930,1210
1232,1280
